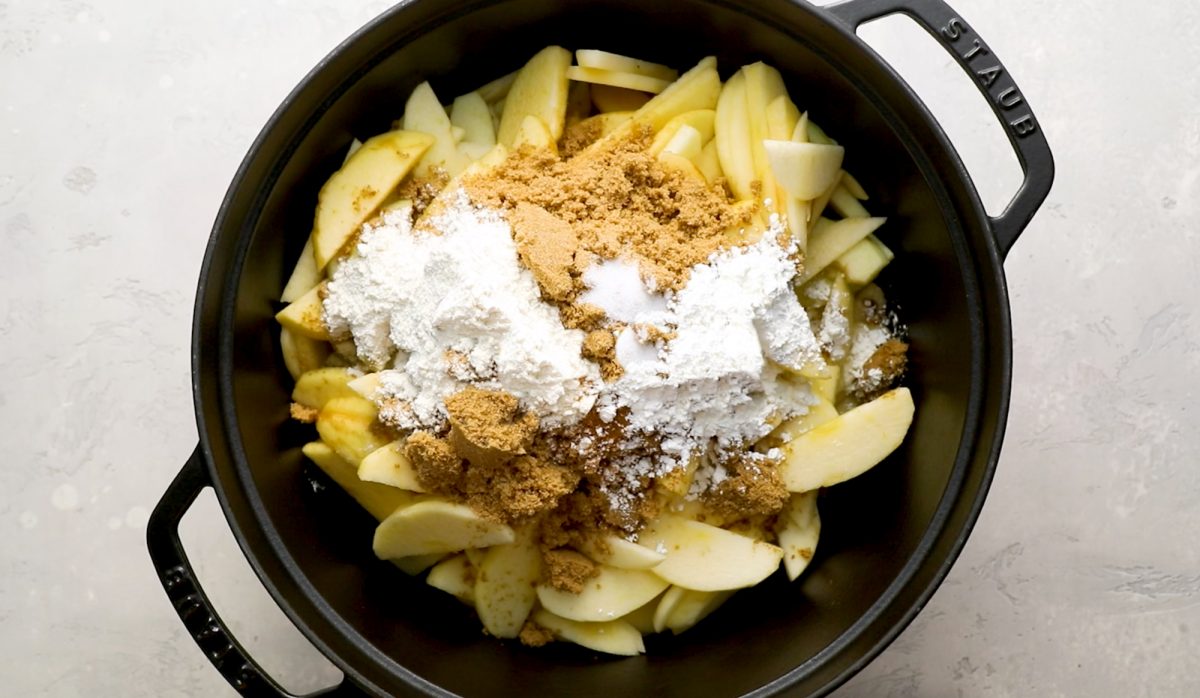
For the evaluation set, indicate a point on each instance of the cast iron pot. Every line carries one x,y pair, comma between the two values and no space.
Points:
888,537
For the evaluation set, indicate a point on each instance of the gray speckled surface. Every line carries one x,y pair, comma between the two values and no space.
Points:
122,122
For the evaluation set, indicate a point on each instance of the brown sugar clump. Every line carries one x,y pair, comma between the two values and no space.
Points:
600,346
437,465
579,136
567,570
422,190
752,488
488,427
303,413
546,246
891,359
534,635
516,490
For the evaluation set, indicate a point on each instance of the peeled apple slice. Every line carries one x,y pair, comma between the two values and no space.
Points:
417,564
848,446
707,558
798,530
629,81
540,89
470,113
345,424
698,88
687,143
603,60
380,501
301,354
436,526
388,465
611,594
454,576
617,552
315,388
831,239
534,134
691,607
355,191
733,138
702,120
863,262
305,315
609,99
804,170
304,277
504,587
613,637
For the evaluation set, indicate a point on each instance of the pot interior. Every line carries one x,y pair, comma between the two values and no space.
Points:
383,623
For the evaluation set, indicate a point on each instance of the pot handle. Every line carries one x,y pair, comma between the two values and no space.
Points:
190,601
995,83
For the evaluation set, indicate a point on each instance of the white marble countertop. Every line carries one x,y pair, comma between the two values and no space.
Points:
122,122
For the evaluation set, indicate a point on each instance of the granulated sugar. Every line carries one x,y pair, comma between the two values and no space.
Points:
449,306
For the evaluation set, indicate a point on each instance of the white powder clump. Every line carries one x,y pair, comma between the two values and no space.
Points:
866,340
451,307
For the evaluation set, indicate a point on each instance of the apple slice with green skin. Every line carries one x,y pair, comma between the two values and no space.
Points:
612,593
317,387
470,113
830,240
804,170
355,192
702,120
504,587
345,424
380,501
733,138
863,262
698,88
848,446
608,98
436,526
707,558
305,275
540,89
691,607
388,465
456,577
798,528
603,60
617,552
301,354
612,637
424,113
305,316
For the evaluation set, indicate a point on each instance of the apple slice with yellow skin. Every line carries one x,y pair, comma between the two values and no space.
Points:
436,526
830,240
380,501
305,316
424,113
305,275
355,192
798,528
702,120
733,138
848,446
603,60
455,576
709,163
345,423
504,587
804,170
608,98
612,637
707,558
612,593
317,387
863,262
764,85
301,354
628,81
388,465
534,134
540,89
691,607
782,117
698,88
617,552
470,113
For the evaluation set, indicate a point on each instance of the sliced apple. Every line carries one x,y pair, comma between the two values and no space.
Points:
612,593
617,552
854,187
540,90
613,637
504,587
846,204
698,88
436,526
603,60
417,564
301,354
473,151
345,423
687,142
830,240
534,134
820,412
863,262
847,446
388,465
681,164
827,386
424,113
628,81
305,275
497,90
317,387
354,192
702,120
666,604
365,384
707,558
804,170
692,607
579,103
709,163
470,113
643,618
797,212
305,316
610,99
798,528
782,117
733,138
355,144
380,501
608,122
764,85
456,577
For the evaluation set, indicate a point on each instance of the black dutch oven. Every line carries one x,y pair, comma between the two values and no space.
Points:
888,538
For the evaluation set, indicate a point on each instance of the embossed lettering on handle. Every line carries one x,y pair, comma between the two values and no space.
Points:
974,52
